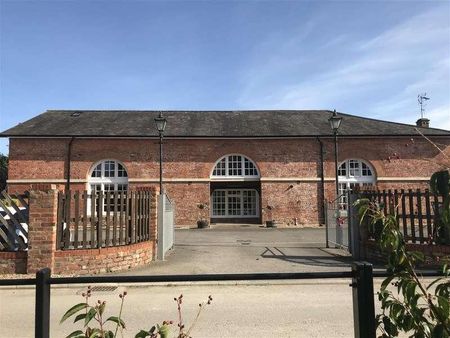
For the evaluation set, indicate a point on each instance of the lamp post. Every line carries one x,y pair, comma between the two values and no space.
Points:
335,123
160,126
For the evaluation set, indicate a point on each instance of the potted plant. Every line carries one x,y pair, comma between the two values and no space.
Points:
271,222
203,215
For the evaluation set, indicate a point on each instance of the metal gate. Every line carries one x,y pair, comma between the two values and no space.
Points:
337,228
166,225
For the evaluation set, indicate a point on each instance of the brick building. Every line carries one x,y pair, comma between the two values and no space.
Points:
248,166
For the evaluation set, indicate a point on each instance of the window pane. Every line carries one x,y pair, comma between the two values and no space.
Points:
218,203
366,170
96,188
343,196
249,202
97,172
342,170
354,168
108,187
110,167
234,203
250,169
121,172
234,165
219,170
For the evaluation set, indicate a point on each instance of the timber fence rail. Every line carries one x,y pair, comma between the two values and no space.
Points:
103,219
415,210
361,276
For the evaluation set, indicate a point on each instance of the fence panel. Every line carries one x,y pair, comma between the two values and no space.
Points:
336,225
166,225
14,213
102,219
415,211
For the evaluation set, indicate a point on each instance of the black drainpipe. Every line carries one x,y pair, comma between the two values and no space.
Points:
69,156
322,181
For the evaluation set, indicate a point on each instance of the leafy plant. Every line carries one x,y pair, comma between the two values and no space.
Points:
163,331
109,328
94,313
414,308
203,211
440,185
3,171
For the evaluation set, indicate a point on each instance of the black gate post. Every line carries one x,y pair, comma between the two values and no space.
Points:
42,309
363,300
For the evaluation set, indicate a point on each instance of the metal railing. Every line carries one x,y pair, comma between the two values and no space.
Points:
337,231
361,275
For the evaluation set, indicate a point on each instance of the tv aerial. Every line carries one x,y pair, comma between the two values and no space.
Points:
422,98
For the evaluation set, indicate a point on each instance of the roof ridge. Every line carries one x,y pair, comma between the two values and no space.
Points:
202,123
184,110
391,122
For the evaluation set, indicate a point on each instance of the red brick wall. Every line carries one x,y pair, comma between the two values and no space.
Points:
43,202
186,197
42,228
435,255
194,159
13,262
92,261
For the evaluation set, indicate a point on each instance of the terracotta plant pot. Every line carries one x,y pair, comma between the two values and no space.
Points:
202,224
271,224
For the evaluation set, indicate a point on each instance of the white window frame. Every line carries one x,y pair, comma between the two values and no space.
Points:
104,180
346,182
227,176
241,195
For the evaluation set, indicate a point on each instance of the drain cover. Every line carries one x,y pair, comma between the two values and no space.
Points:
99,288
103,288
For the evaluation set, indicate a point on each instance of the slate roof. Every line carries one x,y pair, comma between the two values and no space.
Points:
261,123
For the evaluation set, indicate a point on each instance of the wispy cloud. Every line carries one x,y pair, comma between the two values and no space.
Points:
378,77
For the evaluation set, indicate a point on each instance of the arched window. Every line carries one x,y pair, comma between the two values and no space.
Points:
233,166
353,173
108,175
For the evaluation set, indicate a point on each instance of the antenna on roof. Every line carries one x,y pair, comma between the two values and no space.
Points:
421,98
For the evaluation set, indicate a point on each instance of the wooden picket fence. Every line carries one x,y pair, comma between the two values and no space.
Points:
415,211
103,219
13,222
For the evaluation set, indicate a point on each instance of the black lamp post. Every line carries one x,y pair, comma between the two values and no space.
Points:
160,126
335,123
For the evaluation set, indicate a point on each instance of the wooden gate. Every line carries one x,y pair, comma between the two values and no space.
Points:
13,222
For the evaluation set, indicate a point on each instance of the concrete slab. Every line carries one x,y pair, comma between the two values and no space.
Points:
245,250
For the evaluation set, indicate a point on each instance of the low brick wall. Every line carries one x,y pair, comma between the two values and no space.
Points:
92,261
13,262
434,254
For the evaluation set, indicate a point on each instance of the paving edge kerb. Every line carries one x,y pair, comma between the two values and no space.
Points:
178,284
337,281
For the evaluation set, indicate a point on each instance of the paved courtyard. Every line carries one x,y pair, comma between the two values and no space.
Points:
241,249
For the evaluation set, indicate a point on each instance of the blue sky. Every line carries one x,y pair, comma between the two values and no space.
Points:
368,58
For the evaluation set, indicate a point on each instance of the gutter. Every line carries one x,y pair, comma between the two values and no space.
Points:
322,180
69,157
174,137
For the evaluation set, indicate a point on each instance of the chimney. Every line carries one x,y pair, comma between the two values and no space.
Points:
423,123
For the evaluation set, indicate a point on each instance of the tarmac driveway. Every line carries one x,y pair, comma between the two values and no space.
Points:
247,249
